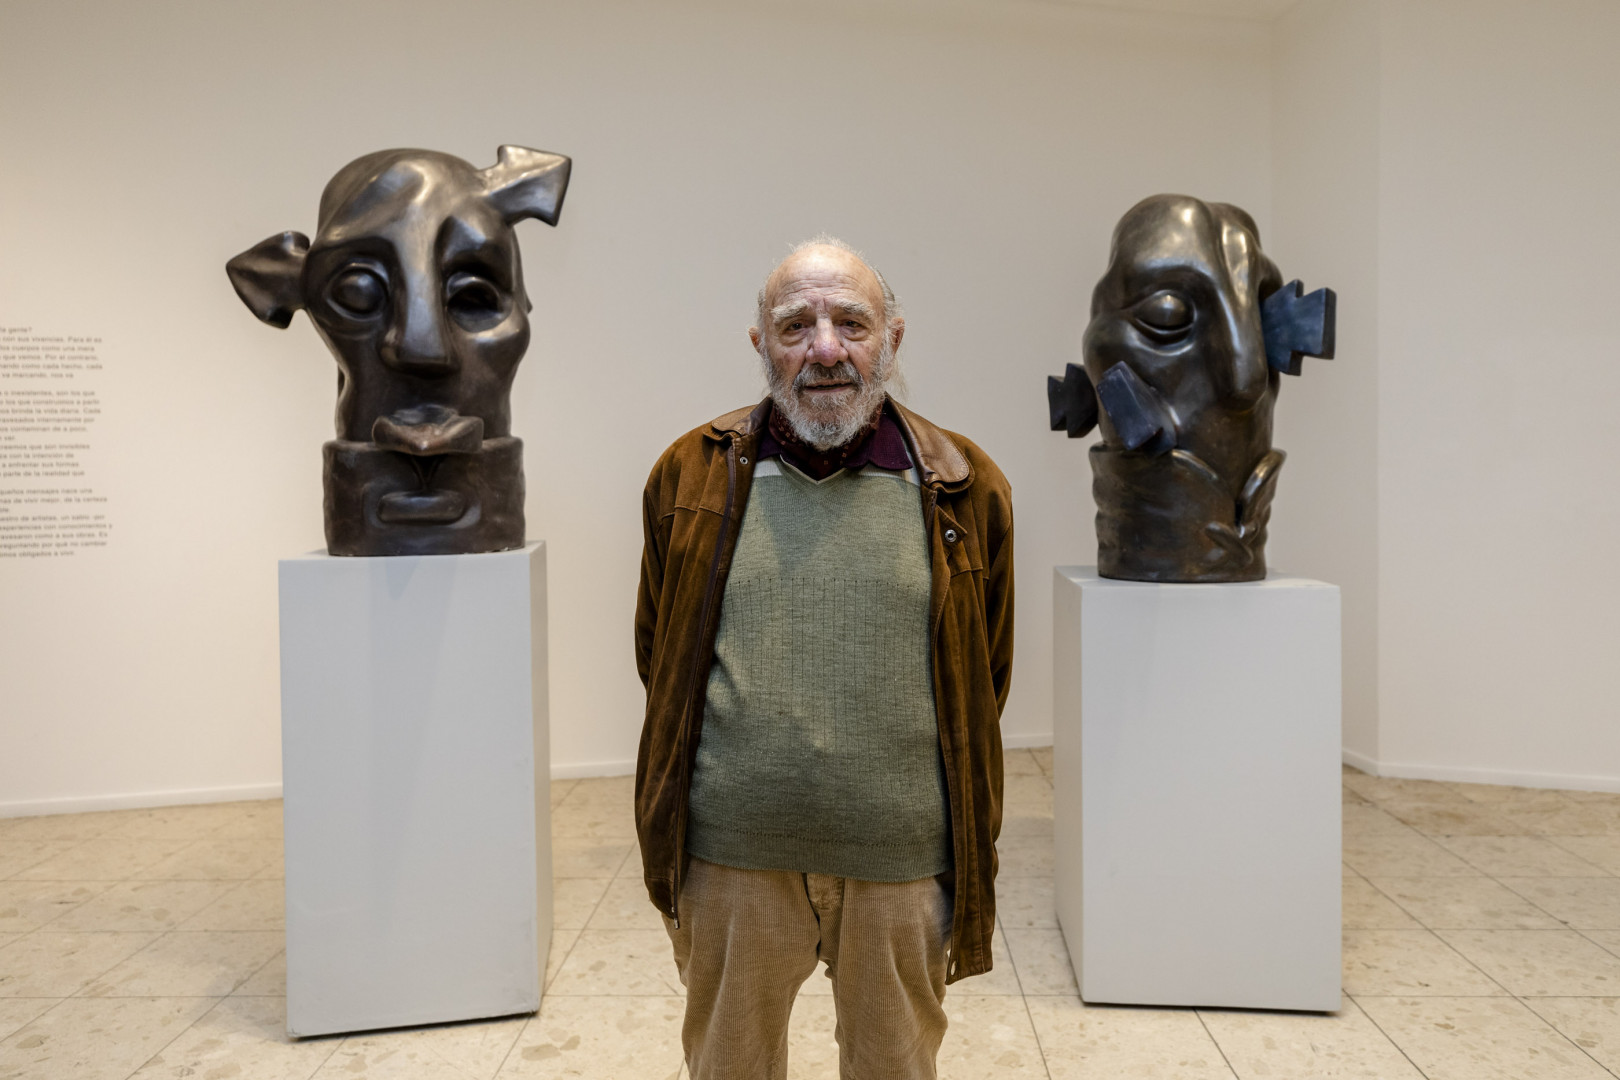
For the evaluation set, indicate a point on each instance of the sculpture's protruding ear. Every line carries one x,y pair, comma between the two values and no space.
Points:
527,184
269,277
1072,401
1296,324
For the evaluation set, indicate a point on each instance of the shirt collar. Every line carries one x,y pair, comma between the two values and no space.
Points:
883,445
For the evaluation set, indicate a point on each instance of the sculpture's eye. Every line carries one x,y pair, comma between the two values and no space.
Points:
475,302
1164,314
357,292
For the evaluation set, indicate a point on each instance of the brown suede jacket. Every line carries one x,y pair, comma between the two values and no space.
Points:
692,513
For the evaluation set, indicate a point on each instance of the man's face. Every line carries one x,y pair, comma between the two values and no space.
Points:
827,340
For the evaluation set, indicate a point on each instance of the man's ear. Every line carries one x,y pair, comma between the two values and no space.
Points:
897,330
269,277
527,183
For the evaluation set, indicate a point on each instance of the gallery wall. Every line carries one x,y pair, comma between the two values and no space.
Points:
1324,230
979,152
1457,161
1500,514
1447,166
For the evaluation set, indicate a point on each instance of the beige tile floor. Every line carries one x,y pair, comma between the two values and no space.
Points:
1481,941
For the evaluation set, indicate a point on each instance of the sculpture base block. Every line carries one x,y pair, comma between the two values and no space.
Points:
464,504
1196,776
416,774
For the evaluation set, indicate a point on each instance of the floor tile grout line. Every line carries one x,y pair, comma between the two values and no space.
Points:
336,1043
1559,1032
255,973
171,1042
1563,922
545,985
1601,873
59,1003
1396,902
1046,1066
111,885
586,925
1553,840
1219,1049
1371,1019
1459,954
522,1031
73,845
1493,880
224,896
1612,950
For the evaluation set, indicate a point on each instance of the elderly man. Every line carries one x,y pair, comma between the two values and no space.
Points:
824,627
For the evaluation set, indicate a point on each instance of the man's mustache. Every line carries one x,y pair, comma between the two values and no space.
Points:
812,375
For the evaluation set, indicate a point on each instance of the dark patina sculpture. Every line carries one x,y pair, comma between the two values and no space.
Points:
414,282
1191,327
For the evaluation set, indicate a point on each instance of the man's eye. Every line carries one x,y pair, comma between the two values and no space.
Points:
794,326
358,293
1165,313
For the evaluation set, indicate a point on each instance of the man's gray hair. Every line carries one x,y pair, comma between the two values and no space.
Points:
891,303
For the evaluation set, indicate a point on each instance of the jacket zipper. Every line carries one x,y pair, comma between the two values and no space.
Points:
697,661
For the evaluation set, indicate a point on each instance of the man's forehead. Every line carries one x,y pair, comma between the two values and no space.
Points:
825,273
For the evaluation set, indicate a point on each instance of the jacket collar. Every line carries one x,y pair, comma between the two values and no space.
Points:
938,458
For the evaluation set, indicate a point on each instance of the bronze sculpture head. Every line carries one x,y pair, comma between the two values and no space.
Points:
1191,327
415,283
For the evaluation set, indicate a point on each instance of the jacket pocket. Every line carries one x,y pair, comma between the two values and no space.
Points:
962,554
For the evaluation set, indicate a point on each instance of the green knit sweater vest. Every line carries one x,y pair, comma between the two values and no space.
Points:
820,747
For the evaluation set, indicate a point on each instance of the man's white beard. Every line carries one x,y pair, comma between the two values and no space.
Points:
827,421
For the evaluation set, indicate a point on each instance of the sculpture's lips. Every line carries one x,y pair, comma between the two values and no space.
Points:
428,430
438,507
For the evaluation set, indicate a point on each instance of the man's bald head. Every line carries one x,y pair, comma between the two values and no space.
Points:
825,249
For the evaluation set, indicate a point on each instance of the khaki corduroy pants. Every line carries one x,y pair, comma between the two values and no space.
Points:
748,939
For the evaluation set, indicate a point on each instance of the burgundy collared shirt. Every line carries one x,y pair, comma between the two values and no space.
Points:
883,444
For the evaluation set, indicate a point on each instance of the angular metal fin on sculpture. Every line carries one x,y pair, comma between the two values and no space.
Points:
269,277
1295,326
526,183
1072,401
1139,417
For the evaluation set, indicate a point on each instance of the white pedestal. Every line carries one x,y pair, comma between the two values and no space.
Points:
1196,806
416,772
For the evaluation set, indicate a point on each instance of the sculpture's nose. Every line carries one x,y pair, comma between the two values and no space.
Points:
1239,353
1239,360
416,343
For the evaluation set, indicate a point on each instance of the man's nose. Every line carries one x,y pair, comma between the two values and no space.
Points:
826,347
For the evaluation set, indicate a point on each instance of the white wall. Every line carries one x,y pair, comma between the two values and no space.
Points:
1500,513
1324,210
1453,163
980,153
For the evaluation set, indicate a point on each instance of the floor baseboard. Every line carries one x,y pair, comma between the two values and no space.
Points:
139,800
